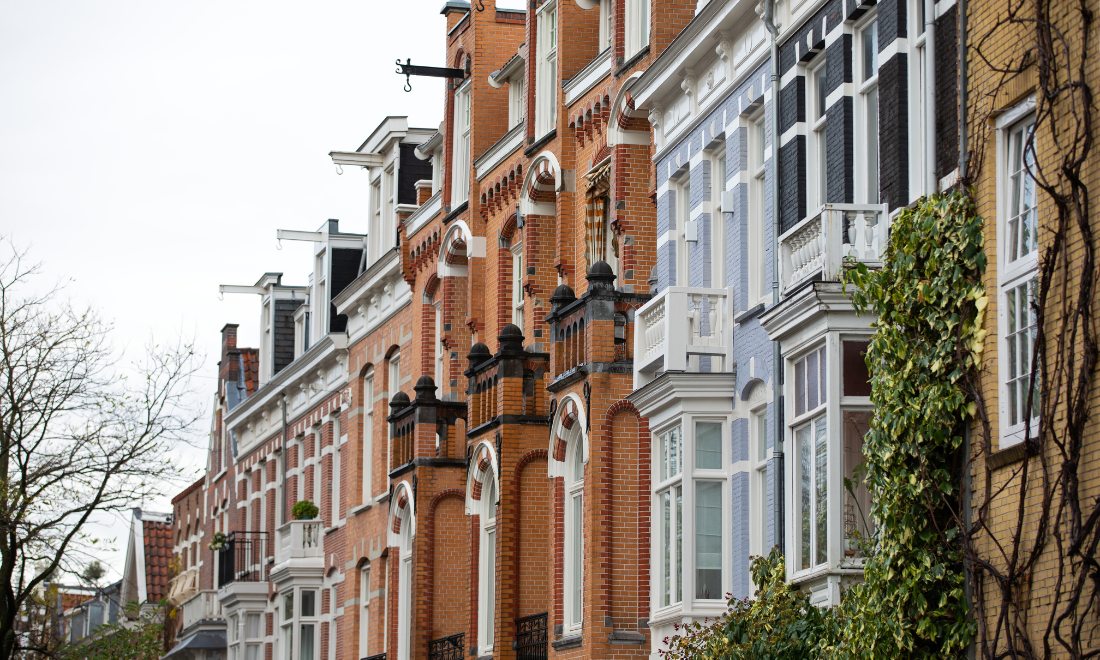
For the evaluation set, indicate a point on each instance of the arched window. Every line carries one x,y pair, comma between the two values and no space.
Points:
488,568
404,598
574,531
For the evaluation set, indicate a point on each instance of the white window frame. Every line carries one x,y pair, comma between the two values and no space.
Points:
759,455
719,172
700,476
517,284
463,119
394,366
918,70
253,644
808,420
367,446
817,187
440,350
668,468
1014,272
335,486
516,94
607,25
637,26
573,570
683,217
375,233
364,612
756,142
546,73
867,103
486,611
404,595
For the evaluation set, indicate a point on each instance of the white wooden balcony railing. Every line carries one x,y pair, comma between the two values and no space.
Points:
679,327
299,539
203,606
816,247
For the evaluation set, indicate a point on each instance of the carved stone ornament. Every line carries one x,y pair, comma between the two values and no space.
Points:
345,397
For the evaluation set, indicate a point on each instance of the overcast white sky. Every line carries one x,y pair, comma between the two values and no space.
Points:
149,150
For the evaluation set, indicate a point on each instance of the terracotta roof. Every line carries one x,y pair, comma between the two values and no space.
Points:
158,555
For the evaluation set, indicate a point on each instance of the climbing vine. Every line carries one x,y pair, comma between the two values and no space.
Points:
929,337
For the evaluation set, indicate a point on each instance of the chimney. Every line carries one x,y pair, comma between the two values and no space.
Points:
227,366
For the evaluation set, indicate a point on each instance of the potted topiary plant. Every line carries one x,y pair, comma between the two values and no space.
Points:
219,541
304,510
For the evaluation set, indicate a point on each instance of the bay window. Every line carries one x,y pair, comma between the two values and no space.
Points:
691,513
1018,249
299,626
546,74
460,173
829,417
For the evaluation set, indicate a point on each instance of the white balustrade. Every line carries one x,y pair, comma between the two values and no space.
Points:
203,606
679,327
300,539
817,247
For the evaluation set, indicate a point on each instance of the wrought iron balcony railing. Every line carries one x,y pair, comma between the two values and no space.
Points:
243,558
531,638
451,647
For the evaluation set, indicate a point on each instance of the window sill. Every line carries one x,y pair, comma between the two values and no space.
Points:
570,642
540,143
456,212
1009,455
360,509
634,59
749,314
626,637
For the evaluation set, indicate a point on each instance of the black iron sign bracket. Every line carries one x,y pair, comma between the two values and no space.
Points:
409,69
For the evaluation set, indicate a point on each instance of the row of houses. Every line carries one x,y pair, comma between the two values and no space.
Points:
591,353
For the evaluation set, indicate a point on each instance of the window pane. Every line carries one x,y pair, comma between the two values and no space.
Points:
233,628
870,50
309,599
252,627
822,92
762,435
578,462
708,446
802,440
666,547
708,539
800,387
664,456
857,499
824,388
252,652
678,495
288,607
491,584
578,559
812,384
306,651
857,378
872,146
288,649
674,452
821,462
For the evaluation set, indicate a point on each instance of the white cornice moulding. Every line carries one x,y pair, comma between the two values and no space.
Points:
356,159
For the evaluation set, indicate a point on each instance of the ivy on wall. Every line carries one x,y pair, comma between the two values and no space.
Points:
930,304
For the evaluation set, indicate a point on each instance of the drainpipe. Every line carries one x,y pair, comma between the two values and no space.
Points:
777,399
963,82
932,184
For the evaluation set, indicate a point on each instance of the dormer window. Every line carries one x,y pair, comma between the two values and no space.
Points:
546,97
